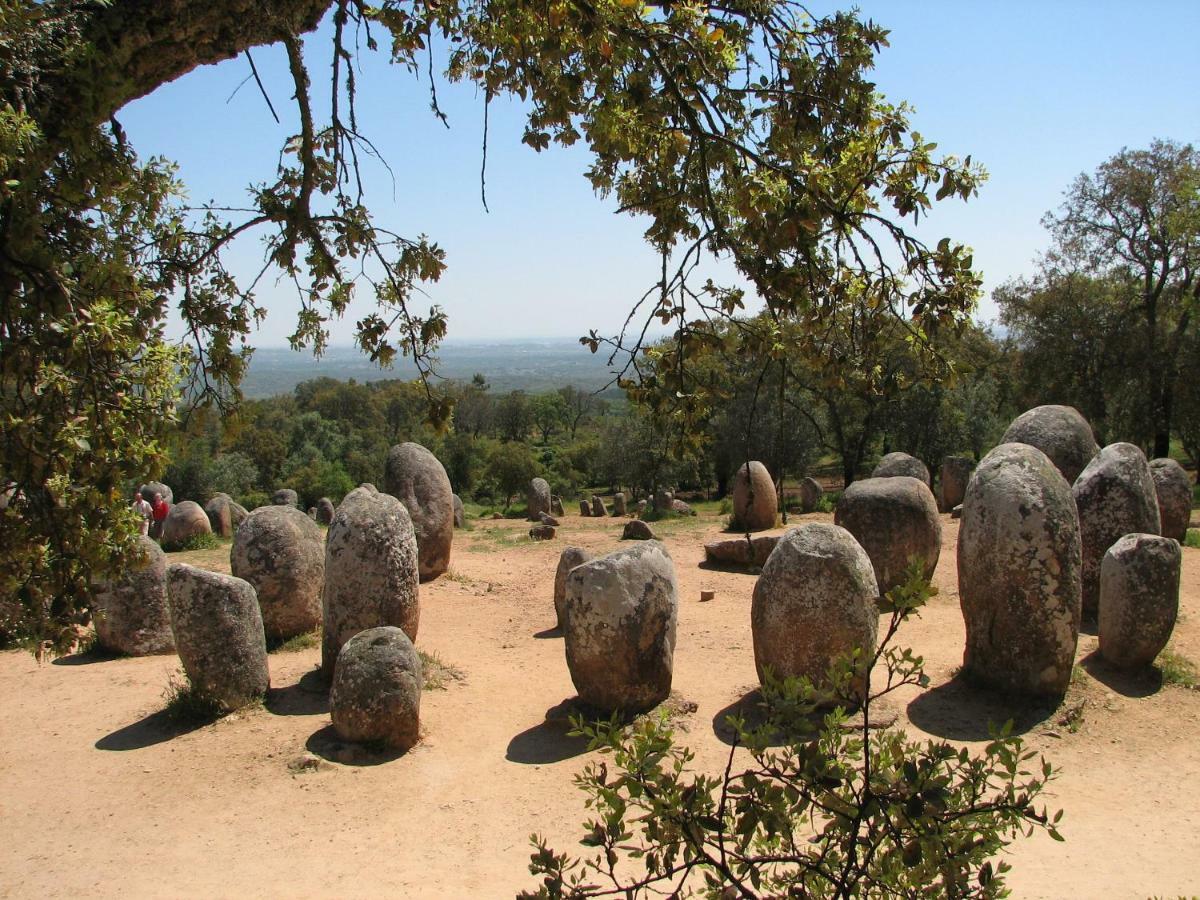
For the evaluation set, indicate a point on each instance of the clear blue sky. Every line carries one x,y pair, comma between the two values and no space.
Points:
1036,91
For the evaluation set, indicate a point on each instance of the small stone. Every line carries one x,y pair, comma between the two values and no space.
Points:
619,508
705,596
902,464
460,515
185,521
584,509
376,692
740,551
547,519
1174,492
598,507
637,530
542,532
1139,598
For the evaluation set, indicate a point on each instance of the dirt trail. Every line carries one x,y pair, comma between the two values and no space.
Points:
98,794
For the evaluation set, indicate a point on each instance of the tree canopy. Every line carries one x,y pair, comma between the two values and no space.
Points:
749,130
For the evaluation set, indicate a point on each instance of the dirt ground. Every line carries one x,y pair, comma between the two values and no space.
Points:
101,796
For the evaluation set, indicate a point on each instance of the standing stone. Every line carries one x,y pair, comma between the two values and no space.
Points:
285,497
219,635
542,533
130,612
641,507
1115,496
663,501
811,493
740,551
281,553
538,498
325,511
414,476
460,514
1139,598
370,571
376,692
956,472
224,515
598,507
618,504
1060,432
556,506
312,513
567,560
637,530
1174,493
894,519
1019,573
754,499
584,509
681,509
185,521
814,602
619,628
901,464
150,488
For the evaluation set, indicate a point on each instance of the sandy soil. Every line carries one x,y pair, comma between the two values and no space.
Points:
99,795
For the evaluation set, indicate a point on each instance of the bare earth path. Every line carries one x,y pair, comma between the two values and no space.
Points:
99,796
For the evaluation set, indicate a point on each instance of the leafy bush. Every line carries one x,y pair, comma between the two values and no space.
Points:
828,807
1192,538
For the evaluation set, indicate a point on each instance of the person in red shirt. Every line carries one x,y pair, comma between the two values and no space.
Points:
160,509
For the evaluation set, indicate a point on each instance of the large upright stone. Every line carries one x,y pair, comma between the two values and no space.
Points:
556,506
1060,432
285,497
599,510
185,521
130,611
1174,492
150,488
754,499
1019,573
894,519
281,552
619,628
325,511
414,476
370,571
585,509
1139,598
814,602
811,493
956,472
376,691
1115,496
901,465
224,515
538,498
219,635
460,514
567,560
619,508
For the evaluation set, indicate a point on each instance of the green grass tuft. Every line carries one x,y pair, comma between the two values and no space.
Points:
206,541
1177,669
185,706
296,643
438,672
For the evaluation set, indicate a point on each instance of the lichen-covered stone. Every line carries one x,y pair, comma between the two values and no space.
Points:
1174,492
538,498
567,560
376,691
619,508
894,519
1115,496
585,509
281,552
414,476
185,520
740,551
956,472
619,628
285,497
325,511
370,571
1061,432
811,493
1139,598
219,635
637,530
598,507
754,500
663,500
902,465
1019,573
224,515
130,611
813,602
460,514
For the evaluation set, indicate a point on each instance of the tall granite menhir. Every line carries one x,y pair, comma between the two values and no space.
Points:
414,476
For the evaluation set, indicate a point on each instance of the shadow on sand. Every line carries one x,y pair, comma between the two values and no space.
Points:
960,711
96,654
1138,683
156,728
554,632
326,744
307,697
752,710
548,741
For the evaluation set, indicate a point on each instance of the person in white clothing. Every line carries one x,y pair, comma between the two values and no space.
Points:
144,509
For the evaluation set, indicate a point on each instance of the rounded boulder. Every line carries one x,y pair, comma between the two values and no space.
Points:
1061,432
893,519
811,493
901,465
1115,496
637,530
150,488
281,552
754,499
285,497
1019,572
325,510
414,476
130,611
813,603
219,635
1174,493
567,560
370,571
376,691
185,521
1139,598
619,628
224,515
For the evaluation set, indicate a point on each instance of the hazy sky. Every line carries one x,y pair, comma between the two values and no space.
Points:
1036,91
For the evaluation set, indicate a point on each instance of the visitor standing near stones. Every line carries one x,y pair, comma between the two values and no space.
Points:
145,512
1019,573
160,508
416,478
